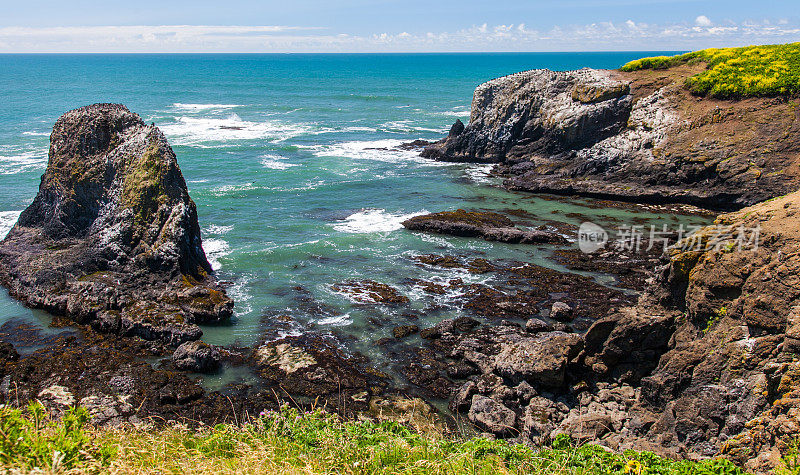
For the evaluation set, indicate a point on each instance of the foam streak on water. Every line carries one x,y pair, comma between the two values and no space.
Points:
374,221
7,221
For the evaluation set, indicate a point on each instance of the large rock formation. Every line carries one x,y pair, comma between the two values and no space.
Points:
635,136
719,329
112,237
707,362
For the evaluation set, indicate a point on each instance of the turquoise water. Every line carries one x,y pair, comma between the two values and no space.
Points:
290,160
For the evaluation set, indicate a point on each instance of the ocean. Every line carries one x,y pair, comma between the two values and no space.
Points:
293,164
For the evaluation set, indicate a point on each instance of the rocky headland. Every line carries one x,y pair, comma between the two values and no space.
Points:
638,136
705,363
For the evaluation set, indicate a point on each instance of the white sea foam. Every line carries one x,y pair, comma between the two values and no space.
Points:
219,230
7,221
276,162
336,321
205,131
22,162
240,293
36,134
227,189
215,249
380,150
372,220
480,173
407,126
203,107
458,111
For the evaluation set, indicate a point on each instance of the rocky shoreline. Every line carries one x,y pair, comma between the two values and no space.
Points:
696,359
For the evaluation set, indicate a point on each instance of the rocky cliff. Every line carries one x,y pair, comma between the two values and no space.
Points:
112,238
707,363
728,302
637,136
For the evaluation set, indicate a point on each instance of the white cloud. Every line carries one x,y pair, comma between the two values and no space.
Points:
702,20
628,35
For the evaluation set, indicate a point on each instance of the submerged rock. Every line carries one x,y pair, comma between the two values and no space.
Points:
112,237
484,224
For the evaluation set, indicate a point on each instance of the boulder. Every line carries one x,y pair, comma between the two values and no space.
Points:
196,356
536,325
491,416
112,237
561,311
541,360
462,397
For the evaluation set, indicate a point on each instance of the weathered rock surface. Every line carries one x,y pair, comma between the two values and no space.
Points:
491,415
112,237
714,340
196,356
635,136
541,360
484,224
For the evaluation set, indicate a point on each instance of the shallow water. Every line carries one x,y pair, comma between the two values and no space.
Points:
290,160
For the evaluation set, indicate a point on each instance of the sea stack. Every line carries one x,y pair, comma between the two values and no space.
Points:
112,238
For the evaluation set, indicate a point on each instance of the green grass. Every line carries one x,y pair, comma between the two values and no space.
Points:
770,70
289,441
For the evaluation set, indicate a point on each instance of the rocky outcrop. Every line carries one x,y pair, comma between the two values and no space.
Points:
112,237
485,224
636,136
713,343
705,364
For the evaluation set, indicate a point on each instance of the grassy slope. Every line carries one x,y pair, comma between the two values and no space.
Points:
771,70
289,441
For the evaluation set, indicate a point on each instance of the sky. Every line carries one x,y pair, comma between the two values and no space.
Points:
268,26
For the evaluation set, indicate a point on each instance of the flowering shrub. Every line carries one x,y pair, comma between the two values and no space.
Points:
770,70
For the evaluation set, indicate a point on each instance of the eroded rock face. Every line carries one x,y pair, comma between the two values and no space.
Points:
112,237
634,136
534,112
714,339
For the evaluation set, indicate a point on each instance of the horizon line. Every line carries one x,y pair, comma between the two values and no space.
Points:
19,53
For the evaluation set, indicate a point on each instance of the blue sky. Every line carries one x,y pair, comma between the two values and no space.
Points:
391,26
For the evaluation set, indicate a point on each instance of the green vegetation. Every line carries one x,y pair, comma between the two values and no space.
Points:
771,70
143,189
289,441
34,440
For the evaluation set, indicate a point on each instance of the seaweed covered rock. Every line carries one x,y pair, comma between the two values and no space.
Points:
112,238
485,224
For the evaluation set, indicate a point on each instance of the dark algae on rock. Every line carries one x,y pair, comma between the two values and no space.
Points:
486,224
112,237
